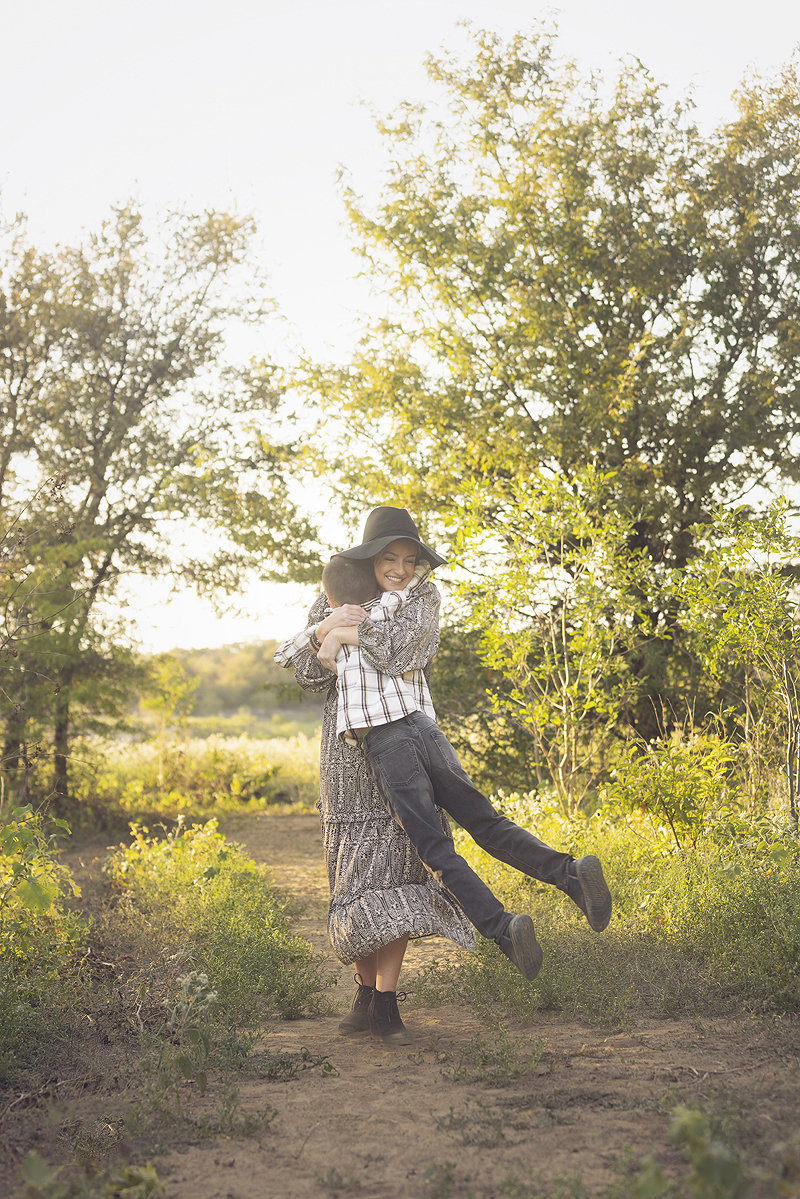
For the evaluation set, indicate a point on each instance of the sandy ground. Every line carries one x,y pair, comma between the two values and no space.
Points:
394,1122
390,1117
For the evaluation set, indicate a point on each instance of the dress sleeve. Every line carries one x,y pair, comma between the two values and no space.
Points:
298,654
409,640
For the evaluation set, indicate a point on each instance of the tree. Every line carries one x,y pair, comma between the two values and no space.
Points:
575,275
563,609
740,608
113,377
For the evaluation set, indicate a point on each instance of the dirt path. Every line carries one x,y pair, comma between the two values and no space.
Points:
392,1123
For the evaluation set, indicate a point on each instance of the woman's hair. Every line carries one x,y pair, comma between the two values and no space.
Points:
349,581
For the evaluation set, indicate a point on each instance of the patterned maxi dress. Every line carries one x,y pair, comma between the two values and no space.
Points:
379,888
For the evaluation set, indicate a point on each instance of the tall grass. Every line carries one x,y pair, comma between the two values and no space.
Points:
713,928
194,900
40,937
198,777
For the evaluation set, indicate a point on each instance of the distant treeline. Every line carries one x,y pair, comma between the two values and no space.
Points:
244,675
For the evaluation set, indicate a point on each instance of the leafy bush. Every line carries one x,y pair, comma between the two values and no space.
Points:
716,928
197,778
199,898
39,935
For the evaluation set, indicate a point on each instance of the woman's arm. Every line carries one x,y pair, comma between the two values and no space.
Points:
297,653
409,639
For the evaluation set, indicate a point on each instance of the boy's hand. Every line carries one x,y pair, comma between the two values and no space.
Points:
326,654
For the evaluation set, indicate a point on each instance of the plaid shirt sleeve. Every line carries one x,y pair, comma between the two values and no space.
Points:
391,602
296,653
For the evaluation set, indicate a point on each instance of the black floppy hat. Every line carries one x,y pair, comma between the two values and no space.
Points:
384,525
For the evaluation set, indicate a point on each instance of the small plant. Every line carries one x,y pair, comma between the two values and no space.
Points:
194,888
477,1125
114,1182
285,1067
495,1061
442,1181
39,935
334,1183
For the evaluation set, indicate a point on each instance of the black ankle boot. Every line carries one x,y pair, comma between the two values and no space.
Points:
384,1019
358,1018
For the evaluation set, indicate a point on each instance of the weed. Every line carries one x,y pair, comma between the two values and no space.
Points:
681,937
495,1061
285,1067
443,1182
477,1125
334,1184
229,1121
199,777
205,899
39,935
114,1182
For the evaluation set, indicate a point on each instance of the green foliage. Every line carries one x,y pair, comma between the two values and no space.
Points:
170,695
494,1061
440,1179
39,935
478,1124
197,778
740,610
562,608
678,780
714,929
112,379
200,894
113,1182
575,273
244,675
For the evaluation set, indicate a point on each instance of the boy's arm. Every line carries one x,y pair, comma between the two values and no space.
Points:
331,644
391,602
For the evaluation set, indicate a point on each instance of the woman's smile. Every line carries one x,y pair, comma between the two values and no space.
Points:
395,565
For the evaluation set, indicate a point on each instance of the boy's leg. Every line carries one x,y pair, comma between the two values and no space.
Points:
454,791
403,781
397,760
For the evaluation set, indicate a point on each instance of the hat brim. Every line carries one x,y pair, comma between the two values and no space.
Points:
370,548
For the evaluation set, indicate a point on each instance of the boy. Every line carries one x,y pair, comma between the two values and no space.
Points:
415,768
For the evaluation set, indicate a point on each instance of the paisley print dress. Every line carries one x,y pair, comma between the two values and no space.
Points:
379,888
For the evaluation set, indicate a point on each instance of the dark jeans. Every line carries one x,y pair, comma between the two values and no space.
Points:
415,767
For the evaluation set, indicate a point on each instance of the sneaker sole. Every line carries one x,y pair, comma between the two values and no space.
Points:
596,894
528,956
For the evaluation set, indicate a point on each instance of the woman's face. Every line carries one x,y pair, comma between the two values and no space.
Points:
394,565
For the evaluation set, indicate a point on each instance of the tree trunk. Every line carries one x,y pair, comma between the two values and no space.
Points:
792,755
61,748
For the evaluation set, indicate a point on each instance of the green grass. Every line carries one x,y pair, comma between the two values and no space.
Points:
40,937
196,778
715,928
198,901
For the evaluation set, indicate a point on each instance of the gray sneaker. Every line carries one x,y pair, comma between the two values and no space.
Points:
519,944
589,890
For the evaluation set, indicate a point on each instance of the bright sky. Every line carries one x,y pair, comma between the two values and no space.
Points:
255,104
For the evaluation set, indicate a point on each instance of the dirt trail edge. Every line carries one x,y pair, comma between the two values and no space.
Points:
391,1123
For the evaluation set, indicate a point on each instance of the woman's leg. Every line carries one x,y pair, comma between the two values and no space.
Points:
367,969
389,963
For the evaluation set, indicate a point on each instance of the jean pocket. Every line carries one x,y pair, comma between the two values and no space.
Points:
398,764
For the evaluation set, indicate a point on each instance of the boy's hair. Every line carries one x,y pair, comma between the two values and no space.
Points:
348,581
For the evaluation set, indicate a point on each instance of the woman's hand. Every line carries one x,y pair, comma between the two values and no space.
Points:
345,617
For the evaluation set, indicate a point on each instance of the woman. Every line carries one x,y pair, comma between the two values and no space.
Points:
381,894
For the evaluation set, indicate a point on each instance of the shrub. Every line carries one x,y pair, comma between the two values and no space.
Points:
200,777
716,928
198,898
39,935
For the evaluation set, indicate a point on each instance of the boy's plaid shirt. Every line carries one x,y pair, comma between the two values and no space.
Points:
368,697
